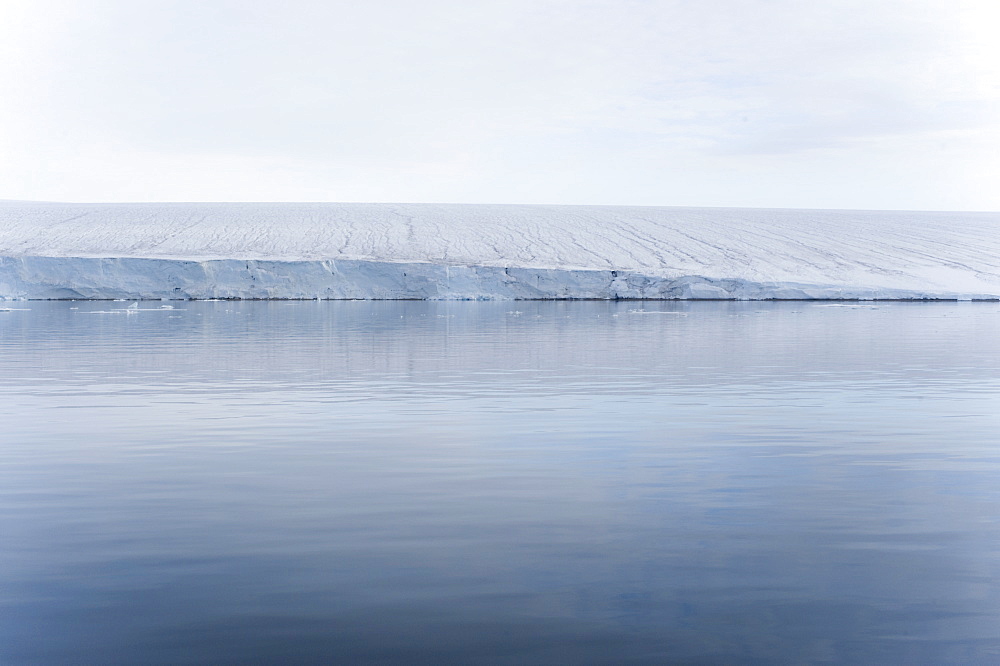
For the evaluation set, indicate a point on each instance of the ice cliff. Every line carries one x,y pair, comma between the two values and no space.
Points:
424,251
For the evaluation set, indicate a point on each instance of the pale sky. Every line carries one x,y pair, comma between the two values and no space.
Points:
881,104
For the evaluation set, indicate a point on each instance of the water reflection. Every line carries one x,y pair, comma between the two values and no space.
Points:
495,482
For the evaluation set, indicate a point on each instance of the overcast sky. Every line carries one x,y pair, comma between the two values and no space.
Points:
887,104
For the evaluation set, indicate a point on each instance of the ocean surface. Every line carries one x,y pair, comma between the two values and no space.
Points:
529,482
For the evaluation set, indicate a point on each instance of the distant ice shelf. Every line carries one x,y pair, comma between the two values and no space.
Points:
466,252
136,278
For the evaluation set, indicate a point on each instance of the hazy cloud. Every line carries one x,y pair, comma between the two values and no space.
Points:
885,103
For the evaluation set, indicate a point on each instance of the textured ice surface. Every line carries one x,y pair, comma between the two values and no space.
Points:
490,251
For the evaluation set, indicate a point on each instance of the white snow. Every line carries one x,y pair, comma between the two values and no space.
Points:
141,251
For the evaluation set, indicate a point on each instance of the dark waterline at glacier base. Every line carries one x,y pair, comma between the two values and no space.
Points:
529,482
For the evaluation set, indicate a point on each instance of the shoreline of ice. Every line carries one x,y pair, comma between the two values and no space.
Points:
103,278
491,252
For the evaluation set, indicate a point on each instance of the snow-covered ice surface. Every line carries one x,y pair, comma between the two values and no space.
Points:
429,251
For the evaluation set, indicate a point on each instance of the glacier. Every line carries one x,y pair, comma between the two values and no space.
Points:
465,251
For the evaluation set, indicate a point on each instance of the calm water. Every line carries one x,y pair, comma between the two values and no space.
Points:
419,482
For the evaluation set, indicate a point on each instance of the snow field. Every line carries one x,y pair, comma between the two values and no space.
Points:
430,251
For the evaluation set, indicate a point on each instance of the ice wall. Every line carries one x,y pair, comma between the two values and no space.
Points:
384,251
133,278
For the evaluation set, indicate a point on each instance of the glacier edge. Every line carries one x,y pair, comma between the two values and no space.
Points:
47,278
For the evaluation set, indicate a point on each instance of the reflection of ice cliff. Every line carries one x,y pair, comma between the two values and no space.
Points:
484,252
